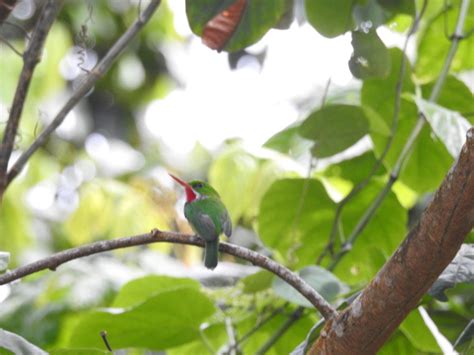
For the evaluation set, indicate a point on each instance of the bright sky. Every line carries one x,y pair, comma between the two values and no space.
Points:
216,103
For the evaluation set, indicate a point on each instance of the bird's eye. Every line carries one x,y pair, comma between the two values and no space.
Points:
198,186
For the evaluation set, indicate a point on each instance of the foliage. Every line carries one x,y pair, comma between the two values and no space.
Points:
67,196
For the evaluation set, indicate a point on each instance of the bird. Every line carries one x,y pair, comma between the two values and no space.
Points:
207,215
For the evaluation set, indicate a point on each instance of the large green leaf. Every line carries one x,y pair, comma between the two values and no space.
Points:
399,6
330,18
415,329
370,58
435,42
455,95
448,125
295,219
355,169
241,179
398,344
257,282
139,290
168,319
378,240
323,281
334,128
259,17
421,172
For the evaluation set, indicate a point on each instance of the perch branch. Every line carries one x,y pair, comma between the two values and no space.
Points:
55,260
86,85
31,58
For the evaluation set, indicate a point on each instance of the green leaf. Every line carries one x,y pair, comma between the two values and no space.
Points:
288,142
448,125
168,319
4,260
17,344
380,238
139,290
415,329
421,173
399,6
295,219
355,169
434,44
257,282
334,128
398,344
259,17
370,15
330,18
370,57
321,280
242,179
455,96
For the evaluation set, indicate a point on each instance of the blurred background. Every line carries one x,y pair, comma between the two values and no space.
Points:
168,104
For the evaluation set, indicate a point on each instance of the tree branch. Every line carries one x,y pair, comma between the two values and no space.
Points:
55,260
395,291
87,84
31,58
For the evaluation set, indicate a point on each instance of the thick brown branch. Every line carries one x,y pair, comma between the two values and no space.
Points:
53,261
31,58
87,84
396,290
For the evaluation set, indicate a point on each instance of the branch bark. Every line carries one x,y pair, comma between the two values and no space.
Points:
395,291
55,260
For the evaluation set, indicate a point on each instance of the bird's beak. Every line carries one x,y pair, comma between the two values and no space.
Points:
181,182
191,195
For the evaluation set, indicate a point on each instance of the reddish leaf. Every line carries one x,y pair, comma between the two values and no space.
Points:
220,28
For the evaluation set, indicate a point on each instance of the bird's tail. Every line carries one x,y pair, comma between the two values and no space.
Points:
211,254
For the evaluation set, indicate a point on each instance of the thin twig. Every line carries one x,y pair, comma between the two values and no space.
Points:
295,316
394,174
55,260
375,168
31,58
103,335
11,46
256,328
87,84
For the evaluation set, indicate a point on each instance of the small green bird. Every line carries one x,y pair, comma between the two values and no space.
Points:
207,215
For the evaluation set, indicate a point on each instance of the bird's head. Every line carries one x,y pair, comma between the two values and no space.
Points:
196,188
